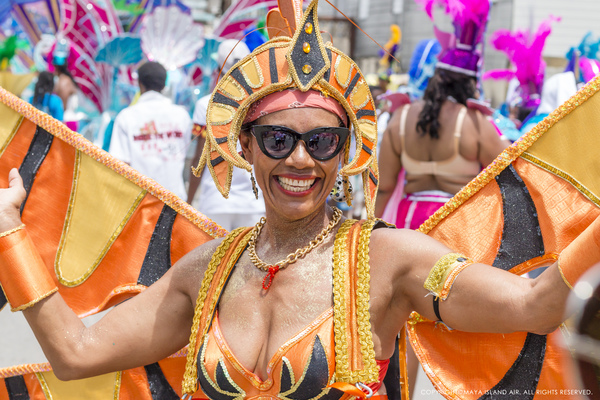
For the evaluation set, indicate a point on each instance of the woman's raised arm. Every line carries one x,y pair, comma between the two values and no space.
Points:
139,331
476,297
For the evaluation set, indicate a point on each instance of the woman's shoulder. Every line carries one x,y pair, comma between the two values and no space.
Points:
190,269
407,246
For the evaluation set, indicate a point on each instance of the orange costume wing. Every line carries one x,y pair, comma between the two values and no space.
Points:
104,231
518,214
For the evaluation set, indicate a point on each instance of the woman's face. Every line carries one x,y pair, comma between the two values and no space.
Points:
296,186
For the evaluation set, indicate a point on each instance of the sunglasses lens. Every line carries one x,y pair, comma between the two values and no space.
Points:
323,145
277,143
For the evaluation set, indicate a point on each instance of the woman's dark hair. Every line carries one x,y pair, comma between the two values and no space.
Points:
442,85
44,85
62,70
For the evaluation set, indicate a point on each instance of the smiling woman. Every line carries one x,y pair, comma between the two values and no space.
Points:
307,304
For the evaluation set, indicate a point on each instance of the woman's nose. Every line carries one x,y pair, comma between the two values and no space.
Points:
300,157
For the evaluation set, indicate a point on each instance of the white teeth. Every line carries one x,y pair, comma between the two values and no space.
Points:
295,185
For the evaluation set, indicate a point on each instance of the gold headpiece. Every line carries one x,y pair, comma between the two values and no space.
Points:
305,62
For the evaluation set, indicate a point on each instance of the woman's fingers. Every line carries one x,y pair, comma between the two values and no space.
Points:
10,201
14,178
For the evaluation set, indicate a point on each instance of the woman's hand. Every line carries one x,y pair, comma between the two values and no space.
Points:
11,199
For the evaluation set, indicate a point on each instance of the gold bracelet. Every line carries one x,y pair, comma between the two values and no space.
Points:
13,230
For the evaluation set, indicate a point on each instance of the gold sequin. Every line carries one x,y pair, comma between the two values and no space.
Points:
307,69
308,28
306,47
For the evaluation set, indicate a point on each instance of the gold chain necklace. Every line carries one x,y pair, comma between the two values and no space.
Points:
272,269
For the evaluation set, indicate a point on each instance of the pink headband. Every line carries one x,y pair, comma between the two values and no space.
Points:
294,98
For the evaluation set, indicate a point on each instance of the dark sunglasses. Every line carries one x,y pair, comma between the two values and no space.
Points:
279,141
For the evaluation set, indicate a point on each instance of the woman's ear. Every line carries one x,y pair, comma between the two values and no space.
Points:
246,143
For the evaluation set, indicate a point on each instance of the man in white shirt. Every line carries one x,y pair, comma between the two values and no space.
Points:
153,134
241,208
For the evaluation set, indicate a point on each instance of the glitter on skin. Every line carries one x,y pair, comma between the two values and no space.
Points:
303,292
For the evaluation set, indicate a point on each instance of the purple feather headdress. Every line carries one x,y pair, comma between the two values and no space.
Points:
524,50
459,48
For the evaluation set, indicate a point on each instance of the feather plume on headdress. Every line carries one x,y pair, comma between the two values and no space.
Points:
524,49
459,48
584,60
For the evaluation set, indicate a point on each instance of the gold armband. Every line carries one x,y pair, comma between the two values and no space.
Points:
444,272
23,274
581,254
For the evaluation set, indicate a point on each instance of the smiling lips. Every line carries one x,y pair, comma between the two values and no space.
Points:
295,185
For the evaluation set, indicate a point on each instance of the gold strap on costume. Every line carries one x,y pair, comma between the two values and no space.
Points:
354,350
216,275
444,272
404,389
581,254
24,276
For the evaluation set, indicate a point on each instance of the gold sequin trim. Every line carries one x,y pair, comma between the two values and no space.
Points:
213,384
370,372
35,301
43,385
561,174
261,79
294,388
343,371
189,378
118,384
62,132
24,369
13,230
511,153
340,265
352,96
236,86
343,83
562,275
441,276
224,107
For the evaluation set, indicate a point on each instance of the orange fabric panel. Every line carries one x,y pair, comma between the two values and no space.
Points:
34,387
129,249
472,375
23,286
473,219
558,365
49,197
173,369
186,237
563,211
297,351
3,391
134,385
16,150
472,371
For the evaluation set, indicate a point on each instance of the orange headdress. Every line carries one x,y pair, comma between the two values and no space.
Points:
294,57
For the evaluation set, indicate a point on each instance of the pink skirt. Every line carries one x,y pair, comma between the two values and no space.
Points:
415,208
